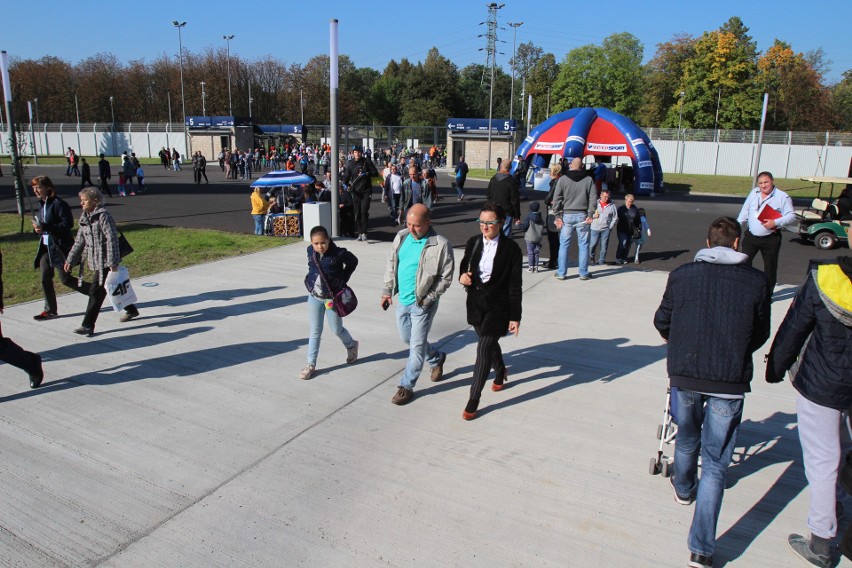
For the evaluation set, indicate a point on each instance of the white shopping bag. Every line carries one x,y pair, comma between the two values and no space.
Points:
119,290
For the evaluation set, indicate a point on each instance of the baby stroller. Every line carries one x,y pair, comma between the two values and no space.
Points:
664,464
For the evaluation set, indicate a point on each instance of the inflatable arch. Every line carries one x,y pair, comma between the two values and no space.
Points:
591,131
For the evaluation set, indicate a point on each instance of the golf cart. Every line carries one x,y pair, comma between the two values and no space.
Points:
820,222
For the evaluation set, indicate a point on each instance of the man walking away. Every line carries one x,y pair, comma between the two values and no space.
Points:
503,190
714,315
419,269
104,174
814,343
574,207
461,177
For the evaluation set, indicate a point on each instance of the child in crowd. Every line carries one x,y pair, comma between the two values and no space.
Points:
140,175
533,233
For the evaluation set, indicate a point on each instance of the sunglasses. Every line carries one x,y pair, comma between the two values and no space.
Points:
488,223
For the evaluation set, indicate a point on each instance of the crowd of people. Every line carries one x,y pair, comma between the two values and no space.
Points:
714,313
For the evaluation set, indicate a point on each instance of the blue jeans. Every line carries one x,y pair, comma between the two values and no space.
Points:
507,226
624,242
258,224
708,425
568,222
414,324
459,188
603,238
316,312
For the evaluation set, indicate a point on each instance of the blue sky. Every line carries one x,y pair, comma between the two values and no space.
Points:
372,33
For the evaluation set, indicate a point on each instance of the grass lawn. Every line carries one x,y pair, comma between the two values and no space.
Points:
156,249
727,185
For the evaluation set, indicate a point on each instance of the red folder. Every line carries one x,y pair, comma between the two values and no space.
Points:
768,213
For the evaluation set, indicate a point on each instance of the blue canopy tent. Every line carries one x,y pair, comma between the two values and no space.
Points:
280,178
591,131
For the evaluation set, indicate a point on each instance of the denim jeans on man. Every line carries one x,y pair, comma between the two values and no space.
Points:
569,220
507,226
601,237
706,424
316,312
414,324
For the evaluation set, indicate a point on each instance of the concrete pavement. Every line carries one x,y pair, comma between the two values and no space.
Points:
185,438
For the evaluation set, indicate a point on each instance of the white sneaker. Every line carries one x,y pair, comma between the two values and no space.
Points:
307,372
352,353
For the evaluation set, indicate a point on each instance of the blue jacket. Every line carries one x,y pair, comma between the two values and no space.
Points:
337,264
815,339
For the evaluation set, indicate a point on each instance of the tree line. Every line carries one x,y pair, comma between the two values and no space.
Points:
716,80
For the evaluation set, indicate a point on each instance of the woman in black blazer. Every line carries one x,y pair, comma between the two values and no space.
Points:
490,271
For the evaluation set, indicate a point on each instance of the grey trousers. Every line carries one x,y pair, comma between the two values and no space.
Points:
824,435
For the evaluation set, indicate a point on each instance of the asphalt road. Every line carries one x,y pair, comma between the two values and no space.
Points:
678,221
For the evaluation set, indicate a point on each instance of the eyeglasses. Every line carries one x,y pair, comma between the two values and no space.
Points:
487,223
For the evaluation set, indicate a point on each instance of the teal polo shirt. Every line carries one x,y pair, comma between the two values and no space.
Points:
408,258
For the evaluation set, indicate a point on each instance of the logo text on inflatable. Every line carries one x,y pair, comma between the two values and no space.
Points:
646,185
595,147
645,164
552,146
576,138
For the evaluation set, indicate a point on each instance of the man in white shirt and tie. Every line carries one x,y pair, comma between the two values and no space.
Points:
766,210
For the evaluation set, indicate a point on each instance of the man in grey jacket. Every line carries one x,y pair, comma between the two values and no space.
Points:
573,207
419,269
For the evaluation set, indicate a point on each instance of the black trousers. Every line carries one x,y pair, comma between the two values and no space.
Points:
97,294
15,355
47,273
769,247
488,356
361,208
103,185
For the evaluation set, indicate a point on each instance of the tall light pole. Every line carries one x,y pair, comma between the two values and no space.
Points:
679,120
203,102
180,25
491,50
250,99
515,25
228,39
112,110
302,105
77,110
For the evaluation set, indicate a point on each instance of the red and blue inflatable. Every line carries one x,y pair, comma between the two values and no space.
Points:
591,131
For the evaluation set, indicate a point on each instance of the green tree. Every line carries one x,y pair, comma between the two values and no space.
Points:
841,99
798,100
723,72
662,76
609,75
539,81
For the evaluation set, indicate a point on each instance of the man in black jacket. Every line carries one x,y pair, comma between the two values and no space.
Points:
358,175
714,315
503,190
814,342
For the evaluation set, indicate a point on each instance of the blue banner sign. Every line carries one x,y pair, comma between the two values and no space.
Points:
217,121
498,124
282,128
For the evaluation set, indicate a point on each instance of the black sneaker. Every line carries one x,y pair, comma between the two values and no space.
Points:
128,315
700,561
83,330
678,498
37,376
45,315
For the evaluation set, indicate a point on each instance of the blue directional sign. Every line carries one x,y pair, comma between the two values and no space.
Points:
217,121
498,124
282,128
